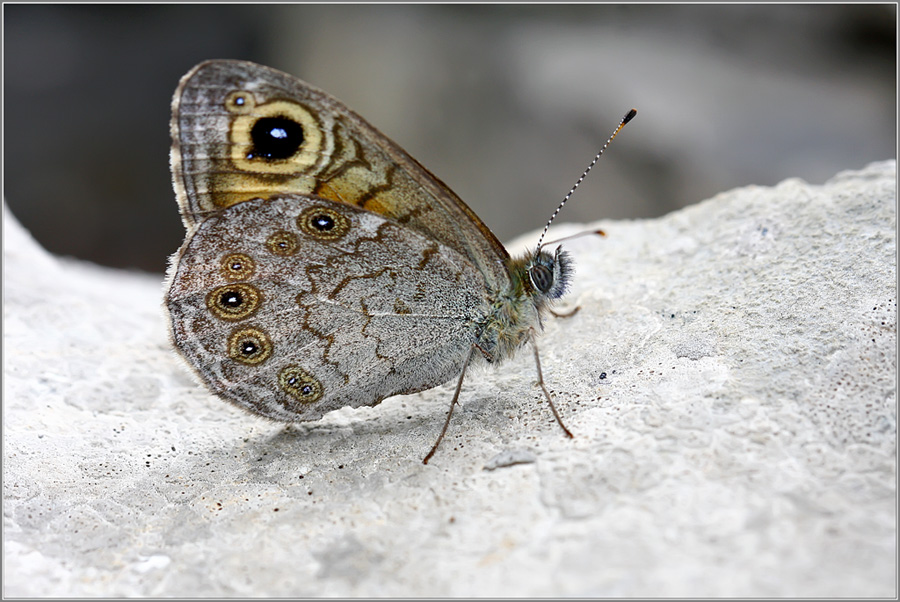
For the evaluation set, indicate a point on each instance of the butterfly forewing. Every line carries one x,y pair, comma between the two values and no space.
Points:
243,131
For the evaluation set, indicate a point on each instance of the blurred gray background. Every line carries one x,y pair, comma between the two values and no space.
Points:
506,104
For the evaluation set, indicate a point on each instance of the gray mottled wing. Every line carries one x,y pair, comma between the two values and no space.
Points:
298,305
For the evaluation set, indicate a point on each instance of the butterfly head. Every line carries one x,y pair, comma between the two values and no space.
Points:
547,275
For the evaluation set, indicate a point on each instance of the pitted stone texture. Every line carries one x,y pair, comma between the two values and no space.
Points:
730,380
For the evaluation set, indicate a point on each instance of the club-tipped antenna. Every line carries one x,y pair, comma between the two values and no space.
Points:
628,117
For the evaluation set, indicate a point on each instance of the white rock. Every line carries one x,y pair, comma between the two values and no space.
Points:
730,380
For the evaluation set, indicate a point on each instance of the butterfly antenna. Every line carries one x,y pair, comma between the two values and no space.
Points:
628,117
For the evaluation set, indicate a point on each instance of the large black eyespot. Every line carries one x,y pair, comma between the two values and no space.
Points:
275,138
541,277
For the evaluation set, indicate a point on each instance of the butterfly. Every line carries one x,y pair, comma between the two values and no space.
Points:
325,267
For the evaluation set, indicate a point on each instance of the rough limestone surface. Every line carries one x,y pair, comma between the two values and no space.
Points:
730,380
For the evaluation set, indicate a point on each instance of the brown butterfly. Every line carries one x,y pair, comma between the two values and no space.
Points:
323,266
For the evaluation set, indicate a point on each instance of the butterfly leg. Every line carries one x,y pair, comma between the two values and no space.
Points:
567,314
462,375
537,363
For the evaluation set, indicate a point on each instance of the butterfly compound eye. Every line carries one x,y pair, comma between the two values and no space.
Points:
541,277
